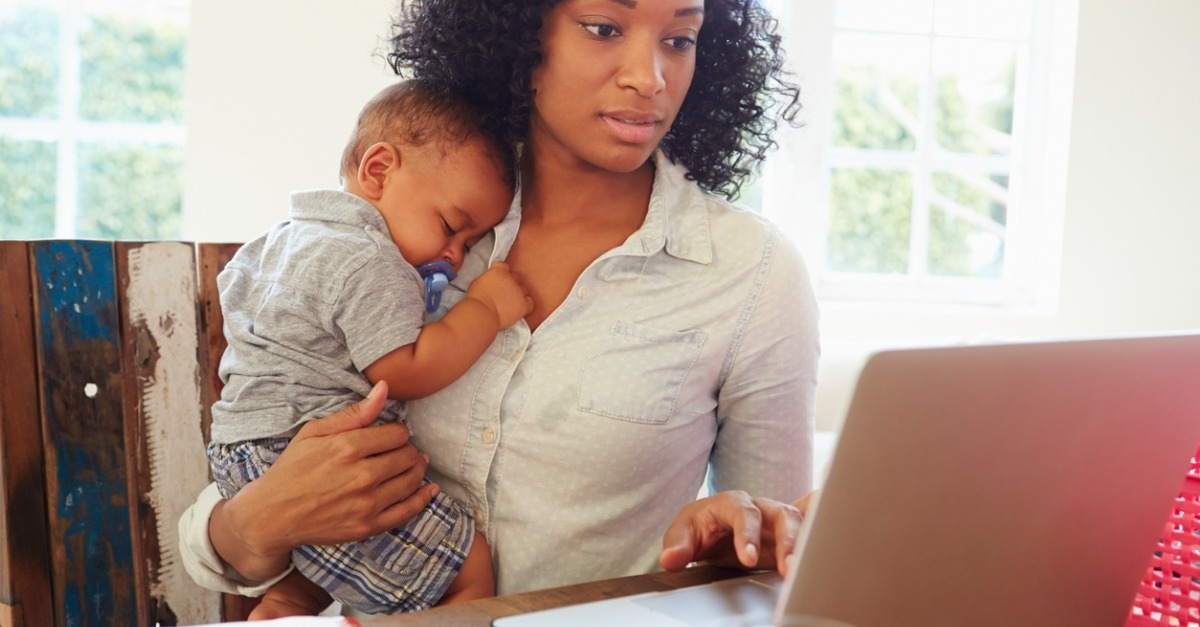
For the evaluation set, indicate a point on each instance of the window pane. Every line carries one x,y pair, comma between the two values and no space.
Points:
132,70
878,85
129,192
1009,19
28,62
870,220
27,170
967,224
974,102
910,16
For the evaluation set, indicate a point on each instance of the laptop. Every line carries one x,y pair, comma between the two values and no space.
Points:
1006,484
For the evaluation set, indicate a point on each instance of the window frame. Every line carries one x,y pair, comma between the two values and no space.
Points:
796,181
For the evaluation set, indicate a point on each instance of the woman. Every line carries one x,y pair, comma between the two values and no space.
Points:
671,332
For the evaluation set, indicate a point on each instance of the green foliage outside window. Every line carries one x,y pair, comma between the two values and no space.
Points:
950,252
865,113
29,64
27,181
129,192
957,132
131,72
870,220
871,209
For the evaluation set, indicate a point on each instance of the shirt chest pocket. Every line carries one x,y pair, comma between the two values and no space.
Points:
638,372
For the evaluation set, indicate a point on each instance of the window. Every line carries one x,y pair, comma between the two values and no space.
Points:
91,118
932,162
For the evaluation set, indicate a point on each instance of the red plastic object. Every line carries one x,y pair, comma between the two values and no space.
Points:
1170,592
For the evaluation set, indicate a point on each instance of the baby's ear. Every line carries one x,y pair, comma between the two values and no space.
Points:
378,161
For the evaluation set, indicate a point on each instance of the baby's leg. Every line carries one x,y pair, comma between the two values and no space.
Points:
294,595
401,570
475,580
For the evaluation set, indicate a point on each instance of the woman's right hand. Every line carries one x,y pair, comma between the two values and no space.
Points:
337,481
733,528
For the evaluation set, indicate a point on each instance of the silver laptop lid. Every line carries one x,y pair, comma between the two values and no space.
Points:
1018,484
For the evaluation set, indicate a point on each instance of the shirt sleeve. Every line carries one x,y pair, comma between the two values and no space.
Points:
200,559
765,407
381,308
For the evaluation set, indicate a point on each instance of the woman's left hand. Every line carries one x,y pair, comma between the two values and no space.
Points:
734,528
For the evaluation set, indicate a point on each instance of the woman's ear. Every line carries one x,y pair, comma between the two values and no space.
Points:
379,161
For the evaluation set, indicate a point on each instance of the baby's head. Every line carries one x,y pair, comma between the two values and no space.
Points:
422,155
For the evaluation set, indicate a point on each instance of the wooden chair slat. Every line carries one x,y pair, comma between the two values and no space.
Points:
25,592
160,342
210,260
78,349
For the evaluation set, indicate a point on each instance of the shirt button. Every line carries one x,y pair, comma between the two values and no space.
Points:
583,292
478,515
489,435
516,356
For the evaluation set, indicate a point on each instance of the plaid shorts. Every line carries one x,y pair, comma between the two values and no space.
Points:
403,570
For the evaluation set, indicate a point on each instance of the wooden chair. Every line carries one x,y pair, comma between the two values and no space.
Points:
108,355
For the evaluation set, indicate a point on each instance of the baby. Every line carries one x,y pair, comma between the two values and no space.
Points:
331,301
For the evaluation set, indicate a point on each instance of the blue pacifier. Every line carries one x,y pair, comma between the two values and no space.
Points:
437,275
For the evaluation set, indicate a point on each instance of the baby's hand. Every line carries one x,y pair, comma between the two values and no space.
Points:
503,291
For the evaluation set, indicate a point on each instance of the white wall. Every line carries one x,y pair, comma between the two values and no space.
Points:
273,88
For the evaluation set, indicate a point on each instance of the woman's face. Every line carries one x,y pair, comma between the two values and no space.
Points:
612,78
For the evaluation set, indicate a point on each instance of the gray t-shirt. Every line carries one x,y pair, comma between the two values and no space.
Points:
308,306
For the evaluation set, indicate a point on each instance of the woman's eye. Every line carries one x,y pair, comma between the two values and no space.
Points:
681,43
601,30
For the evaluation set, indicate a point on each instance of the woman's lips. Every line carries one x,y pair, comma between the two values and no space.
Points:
631,128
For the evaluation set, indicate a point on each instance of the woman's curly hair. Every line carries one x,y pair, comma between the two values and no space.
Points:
488,49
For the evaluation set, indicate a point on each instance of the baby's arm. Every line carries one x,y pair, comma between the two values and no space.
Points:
446,349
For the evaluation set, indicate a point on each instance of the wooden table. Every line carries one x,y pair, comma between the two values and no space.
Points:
480,613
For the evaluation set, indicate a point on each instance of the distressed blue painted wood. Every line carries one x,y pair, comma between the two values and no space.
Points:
77,341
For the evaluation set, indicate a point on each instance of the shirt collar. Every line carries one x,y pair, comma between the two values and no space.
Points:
331,205
677,219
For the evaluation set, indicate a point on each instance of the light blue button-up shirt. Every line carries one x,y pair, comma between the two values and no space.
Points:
693,344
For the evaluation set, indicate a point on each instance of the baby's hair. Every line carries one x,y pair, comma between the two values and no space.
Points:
419,112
